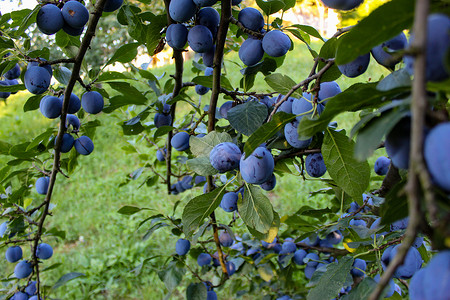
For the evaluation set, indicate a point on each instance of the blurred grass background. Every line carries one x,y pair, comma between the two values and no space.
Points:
105,245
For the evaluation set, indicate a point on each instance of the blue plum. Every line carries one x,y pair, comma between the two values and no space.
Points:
201,90
276,43
4,95
436,279
342,4
224,108
74,103
251,18
411,264
398,143
225,157
335,237
418,242
258,167
417,287
291,135
269,184
203,3
356,222
229,201
327,90
314,165
162,120
23,269
210,18
400,224
182,247
112,5
309,271
313,260
161,154
3,228
84,145
13,73
31,288
199,179
251,52
74,121
204,259
92,102
225,239
208,57
211,295
75,14
182,10
44,251
50,107
180,141
37,79
13,254
386,59
49,19
355,67
36,64
209,71
359,266
67,143
381,166
19,296
231,268
72,31
288,247
286,106
304,107
299,255
42,185
436,155
176,36
389,290
200,39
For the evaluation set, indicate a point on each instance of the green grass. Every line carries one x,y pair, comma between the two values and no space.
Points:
105,245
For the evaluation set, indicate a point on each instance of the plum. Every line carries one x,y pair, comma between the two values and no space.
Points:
236,2
398,143
436,279
31,288
389,290
182,10
224,108
112,5
209,71
74,121
314,165
23,269
19,296
13,73
11,82
208,57
309,271
180,141
92,102
276,43
231,268
356,222
49,19
50,107
291,135
288,247
335,237
355,67
176,36
359,267
42,185
417,287
75,14
210,18
161,154
200,38
4,95
327,90
37,80
13,254
225,239
211,295
201,90
229,201
199,179
203,3
418,242
299,255
67,143
342,4
313,260
225,157
74,103
386,59
400,224
258,167
251,18
251,52
286,106
44,251
84,145
304,107
436,156
411,264
162,120
204,259
269,184
72,31
36,64
182,247
381,166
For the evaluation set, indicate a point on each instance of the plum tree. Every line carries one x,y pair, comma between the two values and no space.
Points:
251,52
436,158
200,39
92,102
180,141
276,43
75,14
251,18
182,10
225,157
44,251
49,19
84,145
42,185
342,4
258,167
13,254
382,164
37,79
355,67
176,36
182,246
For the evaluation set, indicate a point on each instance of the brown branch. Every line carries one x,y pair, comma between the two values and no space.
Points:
256,34
51,62
419,104
295,154
192,131
343,30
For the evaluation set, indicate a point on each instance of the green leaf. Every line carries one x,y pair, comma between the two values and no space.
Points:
362,290
271,234
163,130
267,130
207,81
132,94
62,39
4,147
130,210
196,291
124,54
201,165
27,21
282,84
12,88
112,75
351,175
395,206
309,30
271,6
255,209
203,146
381,25
62,74
198,208
327,51
248,117
332,280
171,276
66,278
43,137
399,78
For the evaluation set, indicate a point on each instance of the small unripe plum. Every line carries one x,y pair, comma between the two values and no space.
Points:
342,4
251,52
291,135
225,157
299,255
23,269
208,57
200,39
67,143
176,36
313,262
231,268
210,18
42,185
44,251
225,239
112,5
203,3
269,184
201,90
436,279
398,143
13,73
436,155
182,10
386,59
84,145
180,141
276,43
211,295
258,167
74,121
314,165
50,106
161,154
72,31
382,165
229,201
417,287
251,18
356,67
36,64
4,95
31,288
182,247
13,254
37,80
224,108
49,19
327,90
162,120
74,103
411,264
358,264
204,259
75,14
92,102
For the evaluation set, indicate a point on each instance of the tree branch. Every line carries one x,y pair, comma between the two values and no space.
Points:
256,34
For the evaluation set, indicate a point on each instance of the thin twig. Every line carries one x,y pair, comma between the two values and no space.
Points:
256,34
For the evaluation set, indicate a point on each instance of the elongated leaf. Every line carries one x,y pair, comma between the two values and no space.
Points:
130,210
395,16
124,54
43,137
203,146
271,6
32,103
351,175
66,278
112,75
132,94
248,117
271,234
399,78
62,74
332,280
282,83
362,290
12,88
328,50
201,165
255,209
267,130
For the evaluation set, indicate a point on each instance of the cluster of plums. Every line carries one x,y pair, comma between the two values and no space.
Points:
24,268
10,78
